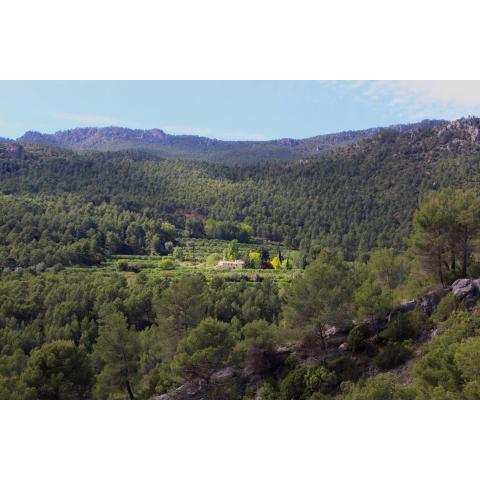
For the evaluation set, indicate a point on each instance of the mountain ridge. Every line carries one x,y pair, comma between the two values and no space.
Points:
191,147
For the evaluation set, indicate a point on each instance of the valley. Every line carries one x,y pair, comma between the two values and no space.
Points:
138,265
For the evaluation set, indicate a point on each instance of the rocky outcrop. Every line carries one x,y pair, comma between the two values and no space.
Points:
430,300
287,141
192,390
260,364
466,290
375,324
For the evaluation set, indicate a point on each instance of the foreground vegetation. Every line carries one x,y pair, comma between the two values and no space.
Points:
336,331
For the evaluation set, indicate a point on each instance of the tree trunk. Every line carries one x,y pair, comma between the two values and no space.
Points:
465,252
321,336
129,390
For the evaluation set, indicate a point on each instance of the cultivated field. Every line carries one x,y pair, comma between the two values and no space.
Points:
194,260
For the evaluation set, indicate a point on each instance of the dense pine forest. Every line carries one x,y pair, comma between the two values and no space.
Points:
355,278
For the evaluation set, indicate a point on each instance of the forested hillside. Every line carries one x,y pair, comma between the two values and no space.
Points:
356,273
359,197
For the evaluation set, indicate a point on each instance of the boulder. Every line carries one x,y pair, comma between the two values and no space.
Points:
224,375
375,324
431,299
338,330
463,287
407,306
162,397
404,307
193,390
466,290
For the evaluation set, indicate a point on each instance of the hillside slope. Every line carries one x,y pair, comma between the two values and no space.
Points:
358,197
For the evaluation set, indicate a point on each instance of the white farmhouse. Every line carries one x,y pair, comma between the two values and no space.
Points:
231,264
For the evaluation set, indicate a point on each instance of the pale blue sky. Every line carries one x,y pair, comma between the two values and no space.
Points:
230,109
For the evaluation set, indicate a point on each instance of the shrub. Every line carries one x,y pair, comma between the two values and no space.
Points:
320,380
267,391
467,361
124,266
345,367
371,299
405,326
179,253
253,260
393,355
437,373
303,382
381,387
446,306
167,264
293,386
297,259
213,259
357,338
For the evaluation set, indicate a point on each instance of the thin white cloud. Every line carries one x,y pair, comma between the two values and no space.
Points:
87,118
425,99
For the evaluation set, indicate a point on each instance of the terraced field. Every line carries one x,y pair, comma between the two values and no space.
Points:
194,255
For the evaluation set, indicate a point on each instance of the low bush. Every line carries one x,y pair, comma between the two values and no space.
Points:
393,355
167,264
357,338
405,326
381,387
213,259
124,266
446,306
302,383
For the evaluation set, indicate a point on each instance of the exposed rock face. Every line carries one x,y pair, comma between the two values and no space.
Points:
466,290
431,299
470,128
256,369
94,137
287,141
375,324
193,390
404,307
12,150
224,375
407,306
164,396
463,287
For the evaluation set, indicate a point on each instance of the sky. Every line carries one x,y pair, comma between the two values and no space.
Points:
231,110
